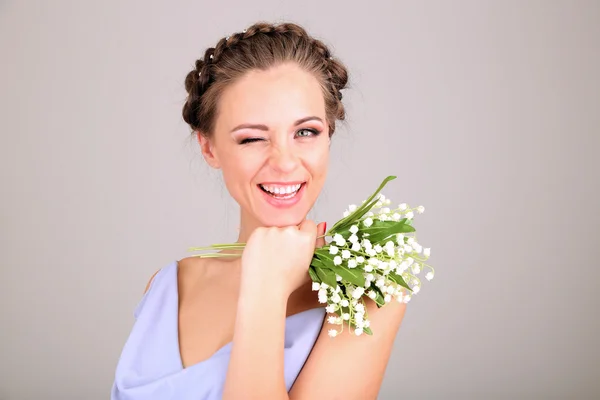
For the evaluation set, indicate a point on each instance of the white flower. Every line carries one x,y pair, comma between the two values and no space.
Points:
332,332
402,206
368,268
427,252
416,289
380,282
371,293
387,298
409,215
337,260
339,239
369,214
410,240
400,238
385,210
358,331
346,213
346,254
356,247
373,261
336,298
370,277
338,278
406,298
390,252
367,323
352,263
316,286
429,276
383,217
378,248
360,259
358,292
344,303
407,248
368,222
420,209
410,260
324,285
352,207
416,270
346,316
371,252
323,296
360,308
331,308
332,319
353,239
333,249
391,289
353,229
396,217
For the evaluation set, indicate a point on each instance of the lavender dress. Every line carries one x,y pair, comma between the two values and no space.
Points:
150,364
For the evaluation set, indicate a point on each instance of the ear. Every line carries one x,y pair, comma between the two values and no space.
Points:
207,149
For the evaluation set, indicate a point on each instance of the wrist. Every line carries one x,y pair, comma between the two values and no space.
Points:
257,286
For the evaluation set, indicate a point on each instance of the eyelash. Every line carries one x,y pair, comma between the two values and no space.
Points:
252,140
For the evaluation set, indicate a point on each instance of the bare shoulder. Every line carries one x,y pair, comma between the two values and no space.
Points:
364,358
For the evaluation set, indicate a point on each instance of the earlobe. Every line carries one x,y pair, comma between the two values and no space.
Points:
207,149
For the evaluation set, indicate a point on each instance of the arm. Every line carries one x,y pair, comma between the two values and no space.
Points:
256,364
350,367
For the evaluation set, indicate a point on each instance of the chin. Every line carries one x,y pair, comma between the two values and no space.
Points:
283,218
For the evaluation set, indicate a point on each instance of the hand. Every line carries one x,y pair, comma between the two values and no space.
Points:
278,258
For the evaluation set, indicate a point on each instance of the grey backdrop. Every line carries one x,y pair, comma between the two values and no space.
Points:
487,111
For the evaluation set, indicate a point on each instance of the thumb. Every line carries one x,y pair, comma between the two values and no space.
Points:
320,232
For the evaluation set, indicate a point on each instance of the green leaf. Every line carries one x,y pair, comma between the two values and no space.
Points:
379,298
368,331
362,210
327,276
353,275
399,280
313,275
317,263
381,230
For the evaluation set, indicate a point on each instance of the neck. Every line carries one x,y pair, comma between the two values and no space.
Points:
247,226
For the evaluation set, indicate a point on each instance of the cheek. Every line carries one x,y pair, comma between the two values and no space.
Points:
318,162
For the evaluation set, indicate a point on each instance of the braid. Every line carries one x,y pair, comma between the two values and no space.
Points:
232,56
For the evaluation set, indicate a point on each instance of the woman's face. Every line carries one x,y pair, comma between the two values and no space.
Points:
271,142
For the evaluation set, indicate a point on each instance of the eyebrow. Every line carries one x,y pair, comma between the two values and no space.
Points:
262,127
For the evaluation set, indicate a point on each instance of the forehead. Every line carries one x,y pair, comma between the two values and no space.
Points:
275,97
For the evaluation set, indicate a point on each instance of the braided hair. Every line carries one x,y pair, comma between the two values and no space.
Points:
261,46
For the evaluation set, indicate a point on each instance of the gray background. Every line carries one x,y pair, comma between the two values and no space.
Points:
487,111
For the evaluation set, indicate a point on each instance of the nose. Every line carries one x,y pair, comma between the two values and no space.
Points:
283,158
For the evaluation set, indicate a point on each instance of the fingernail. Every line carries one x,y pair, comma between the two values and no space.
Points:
325,227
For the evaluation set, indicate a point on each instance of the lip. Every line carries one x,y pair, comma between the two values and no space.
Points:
283,203
292,183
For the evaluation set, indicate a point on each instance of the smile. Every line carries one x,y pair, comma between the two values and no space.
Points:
282,191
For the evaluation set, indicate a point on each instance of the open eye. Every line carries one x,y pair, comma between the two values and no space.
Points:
307,132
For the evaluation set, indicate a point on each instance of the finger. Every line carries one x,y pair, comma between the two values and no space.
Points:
309,227
320,232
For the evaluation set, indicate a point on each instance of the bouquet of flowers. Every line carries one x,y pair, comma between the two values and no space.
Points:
373,252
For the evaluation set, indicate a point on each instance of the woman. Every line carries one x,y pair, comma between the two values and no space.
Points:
263,104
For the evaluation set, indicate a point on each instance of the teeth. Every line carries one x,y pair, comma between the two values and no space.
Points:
281,189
